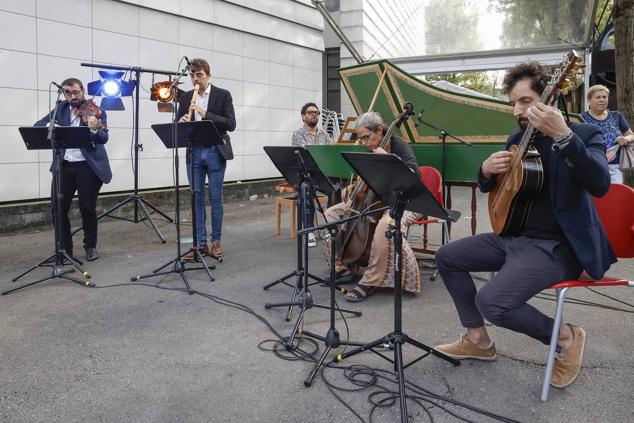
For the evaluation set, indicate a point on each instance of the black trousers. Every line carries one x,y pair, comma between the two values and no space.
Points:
78,177
524,266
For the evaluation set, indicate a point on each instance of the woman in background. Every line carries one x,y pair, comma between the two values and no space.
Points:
616,130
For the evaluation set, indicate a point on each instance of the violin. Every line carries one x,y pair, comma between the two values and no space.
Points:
87,110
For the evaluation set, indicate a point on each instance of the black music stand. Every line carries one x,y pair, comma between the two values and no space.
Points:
56,139
175,136
299,169
297,166
402,191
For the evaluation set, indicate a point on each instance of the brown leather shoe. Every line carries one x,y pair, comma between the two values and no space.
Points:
190,257
463,348
216,250
568,361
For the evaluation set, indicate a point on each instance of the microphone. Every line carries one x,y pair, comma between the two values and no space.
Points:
189,64
62,89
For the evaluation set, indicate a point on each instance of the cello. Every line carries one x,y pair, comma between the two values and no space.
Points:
354,240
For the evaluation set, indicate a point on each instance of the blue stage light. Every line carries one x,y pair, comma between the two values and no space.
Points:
111,87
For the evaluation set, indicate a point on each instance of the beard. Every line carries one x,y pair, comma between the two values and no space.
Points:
522,122
76,102
311,123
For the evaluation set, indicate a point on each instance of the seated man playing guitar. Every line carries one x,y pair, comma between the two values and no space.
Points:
555,238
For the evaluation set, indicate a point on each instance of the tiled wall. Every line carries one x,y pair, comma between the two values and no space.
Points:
267,53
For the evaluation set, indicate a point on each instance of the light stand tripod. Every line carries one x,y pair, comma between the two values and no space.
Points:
297,166
140,204
56,139
401,190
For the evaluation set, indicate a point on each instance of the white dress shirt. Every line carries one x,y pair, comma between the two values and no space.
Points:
74,154
202,101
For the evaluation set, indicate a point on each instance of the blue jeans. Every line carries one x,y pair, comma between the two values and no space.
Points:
208,163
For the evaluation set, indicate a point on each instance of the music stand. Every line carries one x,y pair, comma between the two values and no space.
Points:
402,190
56,139
175,136
297,166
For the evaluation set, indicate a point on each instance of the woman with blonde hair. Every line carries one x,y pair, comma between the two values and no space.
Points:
616,130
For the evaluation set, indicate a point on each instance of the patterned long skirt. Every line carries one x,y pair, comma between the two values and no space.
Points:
380,269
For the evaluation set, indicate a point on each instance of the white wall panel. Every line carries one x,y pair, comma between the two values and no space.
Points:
257,23
235,88
282,138
195,34
281,52
170,6
250,142
237,142
257,141
285,9
306,58
14,150
256,47
118,145
282,30
19,181
18,70
280,74
158,26
53,38
120,49
256,71
153,148
302,97
17,32
23,6
235,170
303,78
282,119
158,54
256,166
21,110
115,16
76,12
256,95
198,9
227,66
122,177
120,118
227,40
256,119
229,15
57,69
281,97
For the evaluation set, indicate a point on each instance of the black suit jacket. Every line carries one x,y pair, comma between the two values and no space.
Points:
219,111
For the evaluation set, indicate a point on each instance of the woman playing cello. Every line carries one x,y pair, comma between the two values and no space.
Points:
379,272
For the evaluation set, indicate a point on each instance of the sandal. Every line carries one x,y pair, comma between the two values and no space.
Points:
359,293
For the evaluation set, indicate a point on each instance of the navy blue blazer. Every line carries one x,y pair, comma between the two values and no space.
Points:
219,110
96,155
575,174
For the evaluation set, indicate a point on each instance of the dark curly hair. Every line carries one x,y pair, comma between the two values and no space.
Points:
531,70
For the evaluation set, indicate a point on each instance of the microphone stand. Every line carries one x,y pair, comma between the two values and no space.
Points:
442,135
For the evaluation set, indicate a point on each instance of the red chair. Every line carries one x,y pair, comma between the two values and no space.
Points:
431,178
616,211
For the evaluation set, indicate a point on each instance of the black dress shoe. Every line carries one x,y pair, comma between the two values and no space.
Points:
91,253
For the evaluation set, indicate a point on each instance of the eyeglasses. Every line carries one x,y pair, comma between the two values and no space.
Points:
73,92
313,112
365,138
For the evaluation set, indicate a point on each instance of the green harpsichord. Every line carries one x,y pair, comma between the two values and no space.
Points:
484,122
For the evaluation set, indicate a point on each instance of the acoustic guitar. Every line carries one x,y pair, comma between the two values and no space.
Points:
512,198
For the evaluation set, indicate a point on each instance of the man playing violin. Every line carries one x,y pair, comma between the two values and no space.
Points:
561,237
207,161
83,170
379,272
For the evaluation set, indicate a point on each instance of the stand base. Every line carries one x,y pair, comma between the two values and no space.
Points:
178,267
57,271
396,342
139,203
